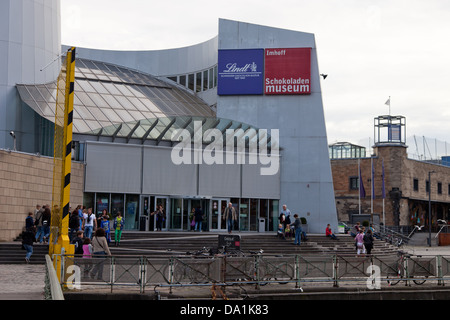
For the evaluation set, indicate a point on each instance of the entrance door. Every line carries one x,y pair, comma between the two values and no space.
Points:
217,212
145,212
164,202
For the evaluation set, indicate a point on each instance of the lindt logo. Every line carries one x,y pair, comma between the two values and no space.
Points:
234,68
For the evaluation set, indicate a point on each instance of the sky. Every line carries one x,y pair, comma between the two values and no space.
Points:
371,50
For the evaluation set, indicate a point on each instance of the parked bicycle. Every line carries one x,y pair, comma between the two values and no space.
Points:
405,272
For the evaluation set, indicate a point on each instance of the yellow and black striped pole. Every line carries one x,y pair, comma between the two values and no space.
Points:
59,241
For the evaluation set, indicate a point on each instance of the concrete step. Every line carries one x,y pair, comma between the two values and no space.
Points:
179,243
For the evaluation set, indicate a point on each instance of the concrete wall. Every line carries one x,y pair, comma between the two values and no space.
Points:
26,180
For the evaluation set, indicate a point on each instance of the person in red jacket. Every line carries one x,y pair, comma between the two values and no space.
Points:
330,233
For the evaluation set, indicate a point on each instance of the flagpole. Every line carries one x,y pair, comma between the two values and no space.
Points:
383,194
371,198
359,180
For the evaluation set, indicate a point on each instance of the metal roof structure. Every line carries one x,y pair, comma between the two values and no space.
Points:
113,101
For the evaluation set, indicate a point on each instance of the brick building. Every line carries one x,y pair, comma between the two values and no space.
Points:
406,181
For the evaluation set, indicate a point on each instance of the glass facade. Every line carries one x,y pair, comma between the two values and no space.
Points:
197,82
178,211
111,100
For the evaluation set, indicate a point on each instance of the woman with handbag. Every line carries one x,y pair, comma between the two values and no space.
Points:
100,249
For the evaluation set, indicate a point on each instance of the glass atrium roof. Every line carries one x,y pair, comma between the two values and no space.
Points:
115,101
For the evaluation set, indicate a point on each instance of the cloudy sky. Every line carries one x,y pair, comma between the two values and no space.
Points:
370,49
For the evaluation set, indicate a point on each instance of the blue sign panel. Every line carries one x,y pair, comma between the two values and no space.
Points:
241,72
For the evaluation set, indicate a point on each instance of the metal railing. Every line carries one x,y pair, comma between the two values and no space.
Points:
52,289
258,270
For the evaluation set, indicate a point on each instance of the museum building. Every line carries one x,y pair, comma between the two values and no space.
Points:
238,118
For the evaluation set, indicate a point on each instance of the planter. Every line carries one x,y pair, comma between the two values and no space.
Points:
444,239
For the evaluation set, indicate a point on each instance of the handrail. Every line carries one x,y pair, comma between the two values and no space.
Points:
55,287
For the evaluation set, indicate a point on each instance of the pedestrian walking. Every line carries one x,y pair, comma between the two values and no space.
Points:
28,238
100,250
230,216
368,241
29,221
198,216
359,240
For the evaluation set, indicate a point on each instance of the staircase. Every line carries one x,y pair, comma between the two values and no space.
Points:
179,243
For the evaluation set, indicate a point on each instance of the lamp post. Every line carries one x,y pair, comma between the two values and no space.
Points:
429,207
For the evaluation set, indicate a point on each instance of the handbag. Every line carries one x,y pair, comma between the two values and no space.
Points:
193,223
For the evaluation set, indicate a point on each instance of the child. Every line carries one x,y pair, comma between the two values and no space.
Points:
106,226
280,232
78,242
119,223
359,239
287,231
87,254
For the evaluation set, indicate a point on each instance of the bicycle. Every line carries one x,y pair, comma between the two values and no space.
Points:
193,271
401,268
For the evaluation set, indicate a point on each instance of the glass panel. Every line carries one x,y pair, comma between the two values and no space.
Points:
85,85
99,87
84,113
124,90
244,215
205,80
198,82
111,88
176,209
274,212
98,114
186,219
85,99
124,115
215,219
162,202
183,81
112,102
136,115
117,204
98,100
137,104
102,204
264,213
191,80
88,200
126,104
150,105
211,79
131,211
254,214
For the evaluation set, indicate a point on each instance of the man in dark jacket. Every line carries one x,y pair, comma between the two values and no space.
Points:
28,238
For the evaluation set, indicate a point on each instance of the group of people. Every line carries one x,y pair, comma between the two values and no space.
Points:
37,229
82,219
363,239
196,219
84,227
290,227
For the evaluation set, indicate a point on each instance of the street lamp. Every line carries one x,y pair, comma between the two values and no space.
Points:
429,207
13,135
